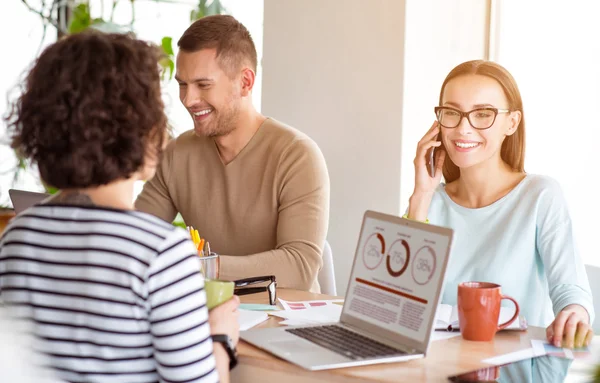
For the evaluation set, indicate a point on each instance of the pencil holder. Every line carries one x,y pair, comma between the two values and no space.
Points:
209,265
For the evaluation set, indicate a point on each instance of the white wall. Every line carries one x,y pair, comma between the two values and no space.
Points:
334,70
439,36
362,78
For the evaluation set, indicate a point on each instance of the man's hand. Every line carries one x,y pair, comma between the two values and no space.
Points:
571,328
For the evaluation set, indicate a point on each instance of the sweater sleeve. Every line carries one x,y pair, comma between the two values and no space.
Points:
178,315
567,279
155,198
303,218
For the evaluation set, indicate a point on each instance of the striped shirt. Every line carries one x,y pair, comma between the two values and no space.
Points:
113,295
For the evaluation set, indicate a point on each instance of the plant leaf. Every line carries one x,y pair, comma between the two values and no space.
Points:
80,18
167,45
50,189
171,68
179,224
167,63
196,14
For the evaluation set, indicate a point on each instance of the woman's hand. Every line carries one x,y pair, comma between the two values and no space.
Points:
570,328
425,184
223,319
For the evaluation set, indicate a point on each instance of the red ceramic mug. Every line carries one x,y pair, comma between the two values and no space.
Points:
479,310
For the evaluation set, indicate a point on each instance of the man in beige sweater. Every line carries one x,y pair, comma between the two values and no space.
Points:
256,189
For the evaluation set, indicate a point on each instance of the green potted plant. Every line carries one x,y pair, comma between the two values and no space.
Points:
75,16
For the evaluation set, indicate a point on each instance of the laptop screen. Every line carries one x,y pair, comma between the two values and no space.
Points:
398,270
23,200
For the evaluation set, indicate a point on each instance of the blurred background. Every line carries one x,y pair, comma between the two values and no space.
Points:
361,77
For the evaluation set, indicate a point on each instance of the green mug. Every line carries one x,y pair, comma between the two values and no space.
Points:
217,292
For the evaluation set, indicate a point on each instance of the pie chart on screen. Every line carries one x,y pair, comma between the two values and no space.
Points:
423,266
373,251
397,258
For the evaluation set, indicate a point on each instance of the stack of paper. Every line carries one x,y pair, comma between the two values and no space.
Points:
248,319
301,313
310,316
301,305
258,307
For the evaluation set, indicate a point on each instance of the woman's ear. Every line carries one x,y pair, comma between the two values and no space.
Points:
514,120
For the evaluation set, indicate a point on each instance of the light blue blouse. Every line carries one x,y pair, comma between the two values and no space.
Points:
524,242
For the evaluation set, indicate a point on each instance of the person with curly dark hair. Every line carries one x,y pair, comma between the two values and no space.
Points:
113,294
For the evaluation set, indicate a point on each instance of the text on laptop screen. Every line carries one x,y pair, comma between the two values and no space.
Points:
395,277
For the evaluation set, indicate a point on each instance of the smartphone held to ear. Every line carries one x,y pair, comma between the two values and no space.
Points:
431,162
431,158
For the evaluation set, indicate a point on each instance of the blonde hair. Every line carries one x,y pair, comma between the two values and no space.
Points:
513,147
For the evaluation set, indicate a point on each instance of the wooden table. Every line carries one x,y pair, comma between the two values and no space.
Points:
5,216
444,358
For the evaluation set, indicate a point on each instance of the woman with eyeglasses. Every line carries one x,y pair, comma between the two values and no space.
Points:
511,228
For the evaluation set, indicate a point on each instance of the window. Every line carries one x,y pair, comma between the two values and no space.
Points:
173,19
25,29
553,51
22,34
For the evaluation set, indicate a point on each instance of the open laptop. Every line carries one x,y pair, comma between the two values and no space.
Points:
23,200
389,311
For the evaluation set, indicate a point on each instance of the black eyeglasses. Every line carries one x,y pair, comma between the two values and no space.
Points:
241,289
481,118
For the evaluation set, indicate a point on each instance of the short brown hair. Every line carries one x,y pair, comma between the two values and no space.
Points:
513,147
231,39
90,110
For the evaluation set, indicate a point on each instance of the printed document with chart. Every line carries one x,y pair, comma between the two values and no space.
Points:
395,277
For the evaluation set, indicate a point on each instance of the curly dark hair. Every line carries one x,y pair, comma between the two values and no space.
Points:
90,110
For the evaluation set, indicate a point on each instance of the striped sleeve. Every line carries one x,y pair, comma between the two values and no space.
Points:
178,314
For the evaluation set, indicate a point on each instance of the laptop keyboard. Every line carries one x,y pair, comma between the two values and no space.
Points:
345,342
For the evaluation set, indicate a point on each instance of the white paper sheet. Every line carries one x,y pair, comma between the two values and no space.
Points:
249,319
312,315
295,322
511,357
542,347
442,335
302,305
